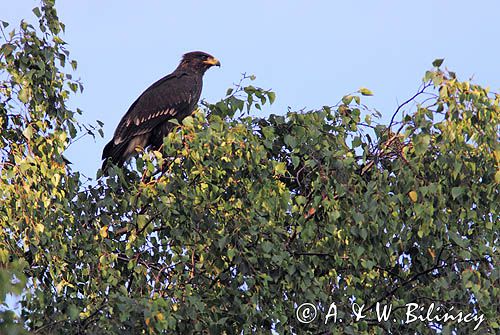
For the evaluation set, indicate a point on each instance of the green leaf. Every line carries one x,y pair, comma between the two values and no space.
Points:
267,246
456,192
23,95
368,118
438,62
230,253
37,12
290,141
272,97
368,264
346,100
174,121
458,239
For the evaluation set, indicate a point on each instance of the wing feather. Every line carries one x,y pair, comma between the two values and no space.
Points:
173,96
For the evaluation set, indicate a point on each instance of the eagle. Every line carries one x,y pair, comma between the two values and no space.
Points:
147,121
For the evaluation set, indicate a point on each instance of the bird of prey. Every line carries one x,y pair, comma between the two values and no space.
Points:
146,122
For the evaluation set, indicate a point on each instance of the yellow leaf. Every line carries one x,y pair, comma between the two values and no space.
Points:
413,196
188,122
310,212
432,253
365,91
56,178
4,256
39,228
103,232
280,168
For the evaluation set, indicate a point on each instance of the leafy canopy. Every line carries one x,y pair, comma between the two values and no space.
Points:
239,220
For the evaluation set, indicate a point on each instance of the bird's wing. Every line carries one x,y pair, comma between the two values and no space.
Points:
173,96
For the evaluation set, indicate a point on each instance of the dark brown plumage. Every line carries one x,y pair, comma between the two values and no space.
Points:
146,122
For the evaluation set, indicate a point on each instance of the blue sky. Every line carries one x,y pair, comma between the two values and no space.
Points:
310,53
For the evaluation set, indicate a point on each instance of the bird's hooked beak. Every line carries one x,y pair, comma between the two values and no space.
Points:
212,61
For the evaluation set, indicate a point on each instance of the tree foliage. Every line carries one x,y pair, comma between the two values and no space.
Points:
238,220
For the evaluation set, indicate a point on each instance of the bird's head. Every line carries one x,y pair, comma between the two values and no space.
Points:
198,61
